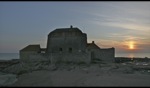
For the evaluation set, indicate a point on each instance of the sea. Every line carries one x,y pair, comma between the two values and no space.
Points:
9,56
131,55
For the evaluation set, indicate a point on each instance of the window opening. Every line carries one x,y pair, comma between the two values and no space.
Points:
60,49
70,49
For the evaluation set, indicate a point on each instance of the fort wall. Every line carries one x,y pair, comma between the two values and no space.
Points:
106,55
32,57
78,57
64,43
67,45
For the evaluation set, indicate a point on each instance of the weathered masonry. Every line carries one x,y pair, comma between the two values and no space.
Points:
67,45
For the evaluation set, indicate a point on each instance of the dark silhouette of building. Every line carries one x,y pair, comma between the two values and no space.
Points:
67,45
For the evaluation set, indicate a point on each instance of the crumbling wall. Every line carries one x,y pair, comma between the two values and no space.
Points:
38,57
107,55
32,57
24,55
78,57
75,42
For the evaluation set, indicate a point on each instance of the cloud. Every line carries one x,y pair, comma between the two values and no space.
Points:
124,22
121,22
129,26
132,16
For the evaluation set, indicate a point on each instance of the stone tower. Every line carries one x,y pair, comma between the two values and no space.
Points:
66,40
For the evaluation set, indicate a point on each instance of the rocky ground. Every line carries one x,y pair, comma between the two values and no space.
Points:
95,74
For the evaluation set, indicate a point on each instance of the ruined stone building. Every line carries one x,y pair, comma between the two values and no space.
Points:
66,45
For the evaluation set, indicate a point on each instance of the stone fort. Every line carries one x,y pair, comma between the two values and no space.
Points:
66,45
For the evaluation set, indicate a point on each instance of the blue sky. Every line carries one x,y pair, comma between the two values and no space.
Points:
122,24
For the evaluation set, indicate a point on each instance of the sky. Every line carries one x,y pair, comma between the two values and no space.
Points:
124,25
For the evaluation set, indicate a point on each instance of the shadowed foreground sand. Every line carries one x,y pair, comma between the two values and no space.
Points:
81,78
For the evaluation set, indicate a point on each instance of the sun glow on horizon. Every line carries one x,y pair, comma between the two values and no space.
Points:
131,45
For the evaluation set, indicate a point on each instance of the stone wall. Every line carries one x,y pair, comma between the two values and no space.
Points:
78,57
30,56
76,43
38,57
24,55
106,55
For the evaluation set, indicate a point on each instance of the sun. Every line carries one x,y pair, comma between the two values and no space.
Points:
131,45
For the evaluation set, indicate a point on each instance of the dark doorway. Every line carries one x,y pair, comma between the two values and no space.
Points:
70,50
60,49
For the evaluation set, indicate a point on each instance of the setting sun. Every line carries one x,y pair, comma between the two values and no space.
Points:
131,45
